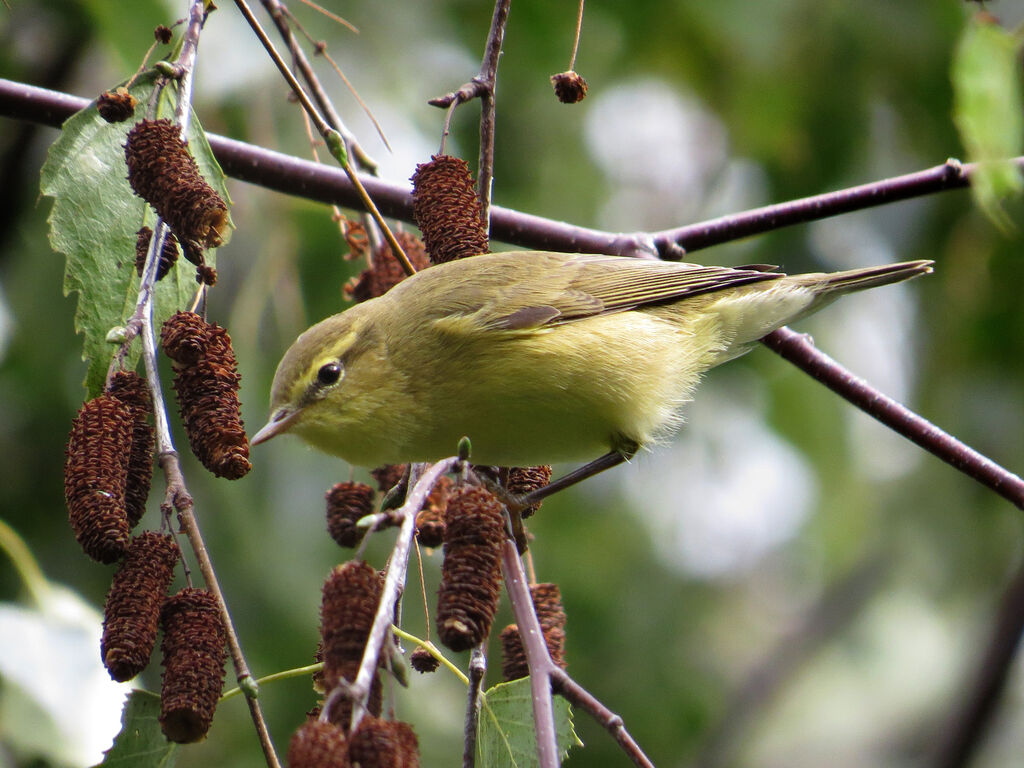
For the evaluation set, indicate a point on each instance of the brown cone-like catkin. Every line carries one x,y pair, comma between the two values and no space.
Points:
163,34
385,272
351,594
523,480
423,661
168,254
380,743
131,389
116,106
447,210
471,573
95,474
389,476
430,519
570,87
347,503
163,172
132,612
206,381
513,655
193,651
318,745
547,602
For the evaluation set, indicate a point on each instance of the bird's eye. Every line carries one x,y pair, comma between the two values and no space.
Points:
328,374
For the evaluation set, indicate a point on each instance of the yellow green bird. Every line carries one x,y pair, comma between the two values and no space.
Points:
537,357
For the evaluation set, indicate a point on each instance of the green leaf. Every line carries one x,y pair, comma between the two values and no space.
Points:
505,733
94,220
989,113
141,743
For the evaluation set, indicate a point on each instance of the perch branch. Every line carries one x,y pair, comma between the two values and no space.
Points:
800,350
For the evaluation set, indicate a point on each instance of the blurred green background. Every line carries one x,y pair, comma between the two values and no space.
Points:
695,578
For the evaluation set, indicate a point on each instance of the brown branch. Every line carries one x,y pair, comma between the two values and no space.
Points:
952,174
294,176
800,350
488,76
547,677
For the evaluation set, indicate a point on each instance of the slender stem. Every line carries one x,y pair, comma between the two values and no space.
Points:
952,174
334,140
477,670
576,41
800,350
393,583
538,660
546,676
182,502
579,697
286,674
278,13
488,77
433,651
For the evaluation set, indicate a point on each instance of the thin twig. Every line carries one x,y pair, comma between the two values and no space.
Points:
177,495
800,350
538,659
278,13
393,584
182,501
952,174
477,670
334,140
581,698
576,40
546,676
488,76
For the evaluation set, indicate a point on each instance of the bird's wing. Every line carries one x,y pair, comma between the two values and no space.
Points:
595,285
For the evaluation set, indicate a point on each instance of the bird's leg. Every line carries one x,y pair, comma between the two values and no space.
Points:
611,459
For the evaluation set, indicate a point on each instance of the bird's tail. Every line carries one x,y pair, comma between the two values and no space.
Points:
833,284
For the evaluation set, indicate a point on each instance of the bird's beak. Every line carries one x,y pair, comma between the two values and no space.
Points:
279,422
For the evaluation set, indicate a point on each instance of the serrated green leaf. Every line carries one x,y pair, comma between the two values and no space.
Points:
505,733
94,220
141,743
989,113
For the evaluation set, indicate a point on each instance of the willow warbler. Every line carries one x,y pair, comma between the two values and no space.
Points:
537,357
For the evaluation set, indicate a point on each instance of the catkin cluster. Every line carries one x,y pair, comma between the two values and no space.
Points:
376,743
132,611
193,650
168,254
108,467
351,595
163,172
547,602
447,209
206,382
385,271
471,573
